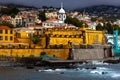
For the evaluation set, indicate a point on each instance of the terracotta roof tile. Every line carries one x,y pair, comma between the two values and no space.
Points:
5,27
5,17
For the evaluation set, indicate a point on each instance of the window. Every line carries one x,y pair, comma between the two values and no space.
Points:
11,31
59,16
16,20
9,45
27,35
18,35
50,24
6,31
11,38
31,34
64,16
47,24
1,37
1,31
44,25
6,37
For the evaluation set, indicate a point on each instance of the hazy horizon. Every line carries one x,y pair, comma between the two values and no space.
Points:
68,4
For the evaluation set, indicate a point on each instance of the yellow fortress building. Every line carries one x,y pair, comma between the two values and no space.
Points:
53,41
61,36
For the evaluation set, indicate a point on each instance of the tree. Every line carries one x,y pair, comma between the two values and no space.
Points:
81,24
116,27
99,27
74,21
12,11
18,25
42,16
5,23
93,19
109,28
35,39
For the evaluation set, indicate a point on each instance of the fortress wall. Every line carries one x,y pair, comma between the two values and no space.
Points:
78,54
60,53
91,54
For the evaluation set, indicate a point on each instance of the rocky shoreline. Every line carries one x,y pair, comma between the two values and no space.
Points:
31,63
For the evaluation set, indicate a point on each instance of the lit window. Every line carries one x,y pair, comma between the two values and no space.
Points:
27,35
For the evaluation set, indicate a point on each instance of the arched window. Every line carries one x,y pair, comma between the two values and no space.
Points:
64,16
59,16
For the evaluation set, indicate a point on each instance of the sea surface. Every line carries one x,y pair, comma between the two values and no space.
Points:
90,71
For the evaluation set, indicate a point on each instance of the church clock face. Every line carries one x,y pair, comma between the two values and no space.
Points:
62,17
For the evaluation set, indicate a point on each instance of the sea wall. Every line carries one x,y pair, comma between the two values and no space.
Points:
77,54
60,53
91,54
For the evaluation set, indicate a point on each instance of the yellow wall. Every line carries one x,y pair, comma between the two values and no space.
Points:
67,32
64,41
76,36
42,42
23,40
93,37
22,34
60,53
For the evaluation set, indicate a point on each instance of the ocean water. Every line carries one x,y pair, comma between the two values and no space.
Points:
102,71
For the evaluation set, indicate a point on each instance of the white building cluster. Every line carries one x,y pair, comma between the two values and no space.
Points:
56,22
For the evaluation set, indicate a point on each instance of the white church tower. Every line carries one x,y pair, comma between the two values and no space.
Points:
61,14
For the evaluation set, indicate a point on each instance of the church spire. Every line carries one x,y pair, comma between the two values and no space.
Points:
62,15
61,5
61,9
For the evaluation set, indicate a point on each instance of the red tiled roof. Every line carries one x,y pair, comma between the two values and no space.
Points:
59,27
5,17
5,27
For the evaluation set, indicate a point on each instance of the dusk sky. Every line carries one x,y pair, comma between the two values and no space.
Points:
69,4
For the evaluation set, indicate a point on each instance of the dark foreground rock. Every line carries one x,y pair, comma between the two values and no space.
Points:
112,61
